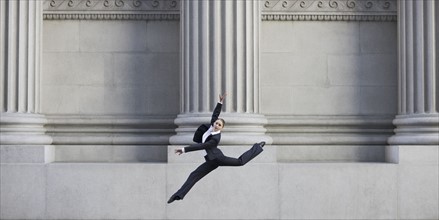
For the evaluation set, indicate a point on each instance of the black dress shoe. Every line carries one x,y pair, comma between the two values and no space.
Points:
262,143
173,198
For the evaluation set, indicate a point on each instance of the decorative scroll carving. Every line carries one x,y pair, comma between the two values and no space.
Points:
112,9
330,10
298,10
111,5
356,6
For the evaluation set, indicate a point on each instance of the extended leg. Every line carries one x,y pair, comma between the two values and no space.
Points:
193,178
243,159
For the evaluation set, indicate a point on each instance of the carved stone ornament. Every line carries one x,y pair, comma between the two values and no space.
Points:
279,10
330,10
111,9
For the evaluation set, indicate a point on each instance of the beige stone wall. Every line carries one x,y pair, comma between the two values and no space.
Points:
110,67
110,88
328,68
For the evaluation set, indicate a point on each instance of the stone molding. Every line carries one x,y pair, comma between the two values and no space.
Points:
111,10
329,130
272,10
110,130
294,17
111,5
105,16
329,10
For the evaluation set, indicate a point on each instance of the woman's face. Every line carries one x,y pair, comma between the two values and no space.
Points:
218,125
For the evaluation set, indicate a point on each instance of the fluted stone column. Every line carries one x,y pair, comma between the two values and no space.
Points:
414,147
220,53
23,137
417,122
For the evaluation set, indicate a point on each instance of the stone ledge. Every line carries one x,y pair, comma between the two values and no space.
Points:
27,153
110,153
255,191
413,154
330,153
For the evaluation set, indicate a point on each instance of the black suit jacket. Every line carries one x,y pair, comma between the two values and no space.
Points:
211,143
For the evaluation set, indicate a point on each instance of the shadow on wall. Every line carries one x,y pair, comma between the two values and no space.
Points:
329,87
110,89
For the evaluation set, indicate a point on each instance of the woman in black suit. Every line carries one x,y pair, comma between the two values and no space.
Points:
215,156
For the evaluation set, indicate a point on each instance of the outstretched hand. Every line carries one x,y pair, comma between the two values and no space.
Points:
222,97
178,151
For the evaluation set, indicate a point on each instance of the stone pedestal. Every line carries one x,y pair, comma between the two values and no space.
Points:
220,53
22,128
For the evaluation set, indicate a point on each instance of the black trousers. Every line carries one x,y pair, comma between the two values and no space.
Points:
211,165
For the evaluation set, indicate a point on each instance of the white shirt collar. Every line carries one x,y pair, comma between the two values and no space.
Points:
215,132
209,132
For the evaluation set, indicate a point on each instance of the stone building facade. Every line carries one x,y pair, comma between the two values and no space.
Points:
96,94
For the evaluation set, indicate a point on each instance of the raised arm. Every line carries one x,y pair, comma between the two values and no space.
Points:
212,142
216,113
217,110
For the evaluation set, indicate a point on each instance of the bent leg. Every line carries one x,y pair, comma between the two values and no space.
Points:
194,177
254,151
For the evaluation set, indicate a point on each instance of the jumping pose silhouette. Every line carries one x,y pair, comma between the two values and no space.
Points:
215,157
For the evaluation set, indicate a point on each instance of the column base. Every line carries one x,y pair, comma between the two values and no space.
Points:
420,129
23,139
23,129
240,129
